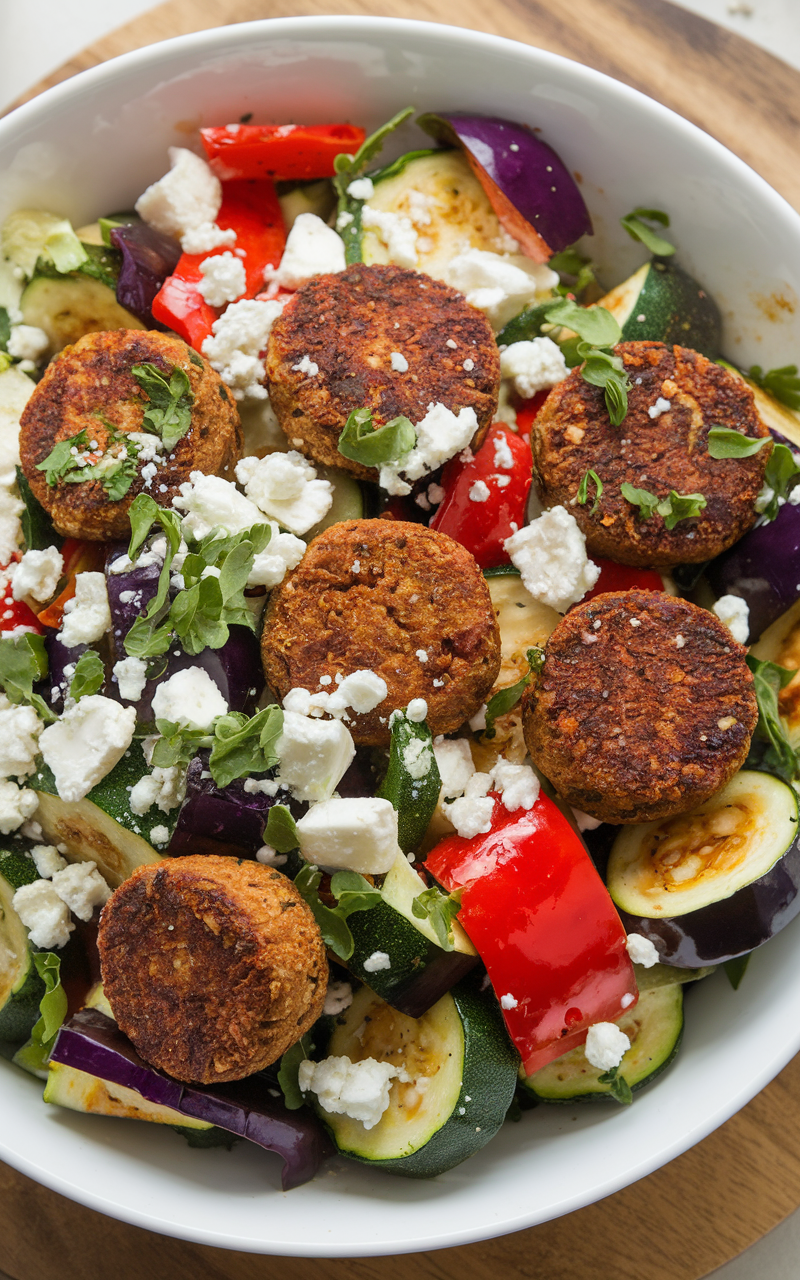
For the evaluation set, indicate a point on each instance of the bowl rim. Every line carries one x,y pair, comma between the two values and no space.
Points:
219,41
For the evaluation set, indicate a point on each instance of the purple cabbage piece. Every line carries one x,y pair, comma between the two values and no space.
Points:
93,1043
762,568
212,816
55,688
148,257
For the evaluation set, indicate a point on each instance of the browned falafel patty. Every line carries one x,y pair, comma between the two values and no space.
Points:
643,709
348,325
213,966
90,387
573,434
395,598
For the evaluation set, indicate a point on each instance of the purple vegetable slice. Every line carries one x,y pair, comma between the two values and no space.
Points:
529,187
763,568
713,884
220,819
93,1043
148,257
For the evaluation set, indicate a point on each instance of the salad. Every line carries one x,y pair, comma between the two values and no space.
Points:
382,751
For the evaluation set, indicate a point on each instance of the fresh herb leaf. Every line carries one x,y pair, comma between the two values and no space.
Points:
412,781
506,699
598,332
582,495
61,459
23,662
674,508
177,744
375,446
572,263
116,471
5,329
89,675
37,527
35,1054
170,412
602,369
244,746
592,324
735,969
147,638
281,830
724,442
646,501
288,1070
620,1089
635,224
780,477
354,894
349,167
440,909
783,383
768,680
526,326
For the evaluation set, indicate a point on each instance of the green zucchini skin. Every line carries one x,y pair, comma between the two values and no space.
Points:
477,1105
67,307
676,309
21,988
655,1029
414,798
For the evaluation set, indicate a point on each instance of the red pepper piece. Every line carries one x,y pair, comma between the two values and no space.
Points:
528,410
15,613
279,151
542,922
623,577
251,209
483,526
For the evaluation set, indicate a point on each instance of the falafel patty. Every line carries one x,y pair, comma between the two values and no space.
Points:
213,966
644,707
676,396
382,338
90,387
395,598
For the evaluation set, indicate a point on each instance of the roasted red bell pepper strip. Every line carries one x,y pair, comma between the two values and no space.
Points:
624,577
543,924
250,209
279,151
15,613
527,411
485,499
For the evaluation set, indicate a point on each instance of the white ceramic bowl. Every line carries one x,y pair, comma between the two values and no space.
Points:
92,145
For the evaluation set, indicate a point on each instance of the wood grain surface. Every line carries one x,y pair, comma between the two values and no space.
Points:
711,1203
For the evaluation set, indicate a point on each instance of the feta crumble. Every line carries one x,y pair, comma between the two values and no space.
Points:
43,914
19,732
479,491
306,365
269,857
471,813
285,486
606,1046
205,237
417,759
455,765
184,199
517,783
353,834
661,406
440,435
47,860
359,1090
338,997
500,286
735,614
189,698
417,710
27,342
508,1002
87,616
361,691
378,961
503,457
397,233
163,787
312,249
550,554
641,950
17,805
361,189
533,366
159,835
398,362
210,502
237,339
131,676
82,888
314,755
223,280
85,744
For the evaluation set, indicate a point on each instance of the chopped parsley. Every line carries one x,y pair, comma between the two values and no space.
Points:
352,893
375,446
79,459
170,413
674,508
440,909
598,333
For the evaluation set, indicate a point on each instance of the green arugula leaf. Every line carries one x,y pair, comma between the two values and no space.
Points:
177,745
620,1089
61,459
637,229
281,830
735,969
348,167
440,909
582,495
287,1073
780,477
768,680
89,675
783,383
412,783
724,442
243,746
170,412
506,699
374,447
646,501
35,1054
23,662
37,527
672,509
352,892
594,325
570,262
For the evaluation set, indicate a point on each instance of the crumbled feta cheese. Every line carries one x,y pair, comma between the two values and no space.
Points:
471,813
735,614
455,765
238,338
82,888
131,674
417,758
641,950
19,732
223,280
164,787
159,835
285,487
661,406
27,342
184,199
189,698
43,914
11,507
87,616
606,1046
417,710
267,856
361,691
477,723
343,220
378,961
550,554
205,237
498,286
479,491
397,233
585,822
306,365
398,362
314,755
312,249
85,744
361,189
211,502
353,834
517,783
533,366
503,457
17,804
440,435
508,1002
338,997
47,860
359,1090
283,552
435,494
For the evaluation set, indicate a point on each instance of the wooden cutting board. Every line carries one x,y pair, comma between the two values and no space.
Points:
711,1203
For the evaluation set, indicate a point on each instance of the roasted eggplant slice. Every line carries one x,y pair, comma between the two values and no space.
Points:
712,884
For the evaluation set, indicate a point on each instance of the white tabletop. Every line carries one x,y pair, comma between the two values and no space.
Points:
36,36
